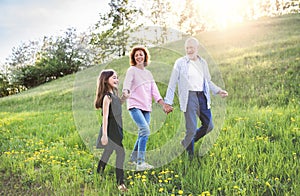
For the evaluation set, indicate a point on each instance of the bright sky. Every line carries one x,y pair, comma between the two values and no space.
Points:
24,20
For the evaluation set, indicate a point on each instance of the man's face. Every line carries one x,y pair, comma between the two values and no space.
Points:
191,49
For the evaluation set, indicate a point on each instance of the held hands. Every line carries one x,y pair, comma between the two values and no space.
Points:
125,95
104,140
167,108
223,93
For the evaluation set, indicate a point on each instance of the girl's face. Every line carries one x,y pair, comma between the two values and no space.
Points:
113,81
139,57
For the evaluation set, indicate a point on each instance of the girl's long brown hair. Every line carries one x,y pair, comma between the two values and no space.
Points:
103,87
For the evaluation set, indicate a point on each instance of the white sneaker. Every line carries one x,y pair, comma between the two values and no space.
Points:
143,166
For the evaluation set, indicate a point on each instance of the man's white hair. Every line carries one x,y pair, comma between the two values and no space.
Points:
192,39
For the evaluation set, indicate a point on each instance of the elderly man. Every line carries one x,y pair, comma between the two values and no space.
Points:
192,76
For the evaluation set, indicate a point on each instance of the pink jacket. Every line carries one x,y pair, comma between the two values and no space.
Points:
142,88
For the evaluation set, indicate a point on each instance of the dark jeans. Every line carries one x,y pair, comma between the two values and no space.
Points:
196,107
108,150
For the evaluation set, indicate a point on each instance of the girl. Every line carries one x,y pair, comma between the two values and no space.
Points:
141,87
112,131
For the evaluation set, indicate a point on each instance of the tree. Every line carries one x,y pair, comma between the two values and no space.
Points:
22,56
33,64
4,84
114,29
189,21
160,11
62,55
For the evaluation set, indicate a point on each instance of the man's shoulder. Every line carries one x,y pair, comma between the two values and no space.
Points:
181,60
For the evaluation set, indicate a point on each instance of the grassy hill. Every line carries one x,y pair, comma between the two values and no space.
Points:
47,133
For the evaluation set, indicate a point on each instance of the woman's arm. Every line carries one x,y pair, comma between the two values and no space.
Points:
127,84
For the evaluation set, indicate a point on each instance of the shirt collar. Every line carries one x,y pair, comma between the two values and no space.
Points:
188,60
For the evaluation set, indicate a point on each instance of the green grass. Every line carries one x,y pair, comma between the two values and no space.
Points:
48,133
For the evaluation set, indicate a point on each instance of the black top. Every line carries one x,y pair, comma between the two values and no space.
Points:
115,124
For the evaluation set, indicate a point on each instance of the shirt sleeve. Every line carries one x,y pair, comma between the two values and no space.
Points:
155,92
172,84
128,80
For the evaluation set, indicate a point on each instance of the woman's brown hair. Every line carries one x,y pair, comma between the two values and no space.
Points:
103,87
132,61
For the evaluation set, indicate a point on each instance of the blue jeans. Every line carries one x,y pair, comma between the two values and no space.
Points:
142,120
196,107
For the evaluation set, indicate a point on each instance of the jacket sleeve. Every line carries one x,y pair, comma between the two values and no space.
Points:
172,84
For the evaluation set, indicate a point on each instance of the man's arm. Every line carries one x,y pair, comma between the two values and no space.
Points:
172,85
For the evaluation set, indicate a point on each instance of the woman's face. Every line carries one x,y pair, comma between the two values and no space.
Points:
113,81
139,57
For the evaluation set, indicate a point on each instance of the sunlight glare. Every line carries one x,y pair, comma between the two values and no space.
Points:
223,13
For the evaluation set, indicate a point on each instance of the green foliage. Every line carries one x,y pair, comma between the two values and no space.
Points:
4,85
256,153
118,23
31,65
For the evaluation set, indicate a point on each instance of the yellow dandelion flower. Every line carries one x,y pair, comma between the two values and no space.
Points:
176,176
160,181
144,180
235,187
205,193
161,190
144,177
131,182
180,192
268,184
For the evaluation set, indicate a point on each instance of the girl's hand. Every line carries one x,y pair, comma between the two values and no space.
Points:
104,140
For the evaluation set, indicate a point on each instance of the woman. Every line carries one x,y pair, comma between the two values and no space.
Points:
140,86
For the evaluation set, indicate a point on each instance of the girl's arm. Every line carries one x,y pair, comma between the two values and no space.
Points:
105,107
